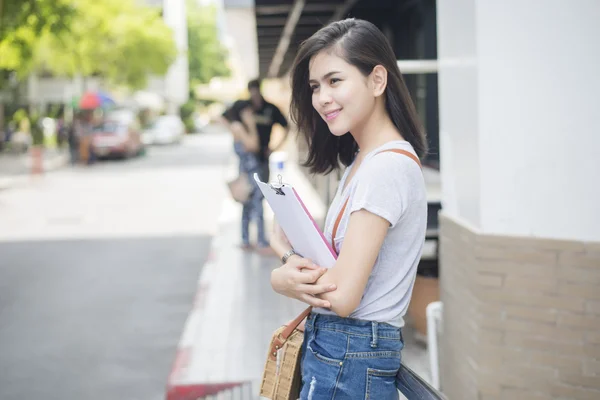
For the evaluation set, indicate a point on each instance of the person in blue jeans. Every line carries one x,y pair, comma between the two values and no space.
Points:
240,121
350,103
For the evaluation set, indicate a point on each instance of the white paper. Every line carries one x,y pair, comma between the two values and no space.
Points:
297,224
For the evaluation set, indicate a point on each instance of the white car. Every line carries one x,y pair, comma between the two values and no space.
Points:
166,129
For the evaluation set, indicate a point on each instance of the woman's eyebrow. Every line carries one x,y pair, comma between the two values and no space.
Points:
327,75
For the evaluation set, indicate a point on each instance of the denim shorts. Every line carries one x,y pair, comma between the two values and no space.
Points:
345,358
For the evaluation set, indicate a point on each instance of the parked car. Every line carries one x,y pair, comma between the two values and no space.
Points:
118,135
167,129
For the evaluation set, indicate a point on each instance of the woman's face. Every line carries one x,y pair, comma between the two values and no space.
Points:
340,93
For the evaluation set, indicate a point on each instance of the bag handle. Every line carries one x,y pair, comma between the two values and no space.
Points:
280,340
283,337
341,214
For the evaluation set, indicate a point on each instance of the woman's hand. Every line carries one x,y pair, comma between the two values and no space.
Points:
296,279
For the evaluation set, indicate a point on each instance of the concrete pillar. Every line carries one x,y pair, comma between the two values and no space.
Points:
177,78
240,20
520,231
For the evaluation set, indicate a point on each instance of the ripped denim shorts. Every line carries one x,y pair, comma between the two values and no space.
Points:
345,358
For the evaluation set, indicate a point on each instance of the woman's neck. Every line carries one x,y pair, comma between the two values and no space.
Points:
377,130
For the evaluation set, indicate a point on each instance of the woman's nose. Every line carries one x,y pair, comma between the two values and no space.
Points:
324,97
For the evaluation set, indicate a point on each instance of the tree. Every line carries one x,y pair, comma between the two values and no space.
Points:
207,56
117,39
22,22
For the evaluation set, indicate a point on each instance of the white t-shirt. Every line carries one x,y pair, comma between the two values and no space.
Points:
390,185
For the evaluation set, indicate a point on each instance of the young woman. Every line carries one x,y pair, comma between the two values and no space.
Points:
350,102
240,122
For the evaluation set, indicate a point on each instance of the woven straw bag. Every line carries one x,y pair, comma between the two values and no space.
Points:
282,379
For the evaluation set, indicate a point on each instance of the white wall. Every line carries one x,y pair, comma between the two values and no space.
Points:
42,91
519,116
241,29
458,98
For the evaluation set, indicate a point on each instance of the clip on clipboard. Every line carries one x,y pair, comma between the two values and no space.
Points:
297,223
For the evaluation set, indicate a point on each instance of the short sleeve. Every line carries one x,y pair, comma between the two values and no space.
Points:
383,185
279,118
233,113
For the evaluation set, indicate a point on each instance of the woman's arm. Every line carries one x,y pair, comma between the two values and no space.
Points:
341,287
297,278
234,127
353,267
250,139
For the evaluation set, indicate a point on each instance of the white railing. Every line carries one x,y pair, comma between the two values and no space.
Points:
434,325
418,66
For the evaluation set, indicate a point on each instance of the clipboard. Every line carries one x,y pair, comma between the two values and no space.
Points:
297,223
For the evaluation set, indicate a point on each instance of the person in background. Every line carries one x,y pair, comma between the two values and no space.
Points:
240,121
73,140
84,131
266,116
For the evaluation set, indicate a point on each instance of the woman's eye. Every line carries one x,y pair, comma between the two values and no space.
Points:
313,87
333,80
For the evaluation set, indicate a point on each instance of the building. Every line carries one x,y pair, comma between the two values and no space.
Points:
239,23
507,92
174,86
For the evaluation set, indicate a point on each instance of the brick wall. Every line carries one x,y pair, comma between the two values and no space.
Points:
521,317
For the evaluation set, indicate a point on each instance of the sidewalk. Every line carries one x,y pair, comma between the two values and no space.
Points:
15,169
224,343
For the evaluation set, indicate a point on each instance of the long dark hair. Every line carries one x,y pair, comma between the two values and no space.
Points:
359,43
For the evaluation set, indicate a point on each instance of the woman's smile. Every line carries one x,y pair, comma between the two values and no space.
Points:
330,115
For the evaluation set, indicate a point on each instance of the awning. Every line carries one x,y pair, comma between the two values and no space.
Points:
282,25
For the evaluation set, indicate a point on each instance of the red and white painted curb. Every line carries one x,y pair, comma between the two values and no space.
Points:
181,384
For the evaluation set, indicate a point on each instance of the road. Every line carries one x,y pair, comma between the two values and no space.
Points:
98,271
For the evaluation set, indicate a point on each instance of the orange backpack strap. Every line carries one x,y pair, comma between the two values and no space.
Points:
341,214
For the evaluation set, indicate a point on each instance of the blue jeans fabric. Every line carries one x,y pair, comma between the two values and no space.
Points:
413,387
253,208
344,358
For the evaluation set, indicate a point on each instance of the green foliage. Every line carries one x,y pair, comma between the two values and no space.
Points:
187,109
37,133
22,22
206,54
19,116
117,39
186,112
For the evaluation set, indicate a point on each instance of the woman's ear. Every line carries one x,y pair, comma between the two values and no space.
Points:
379,80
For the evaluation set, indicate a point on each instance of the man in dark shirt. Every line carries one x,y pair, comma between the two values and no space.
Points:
266,115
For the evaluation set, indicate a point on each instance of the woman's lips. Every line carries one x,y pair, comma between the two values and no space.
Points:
332,114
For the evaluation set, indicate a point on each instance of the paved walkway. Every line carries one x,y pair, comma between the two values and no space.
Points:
16,168
98,269
225,340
